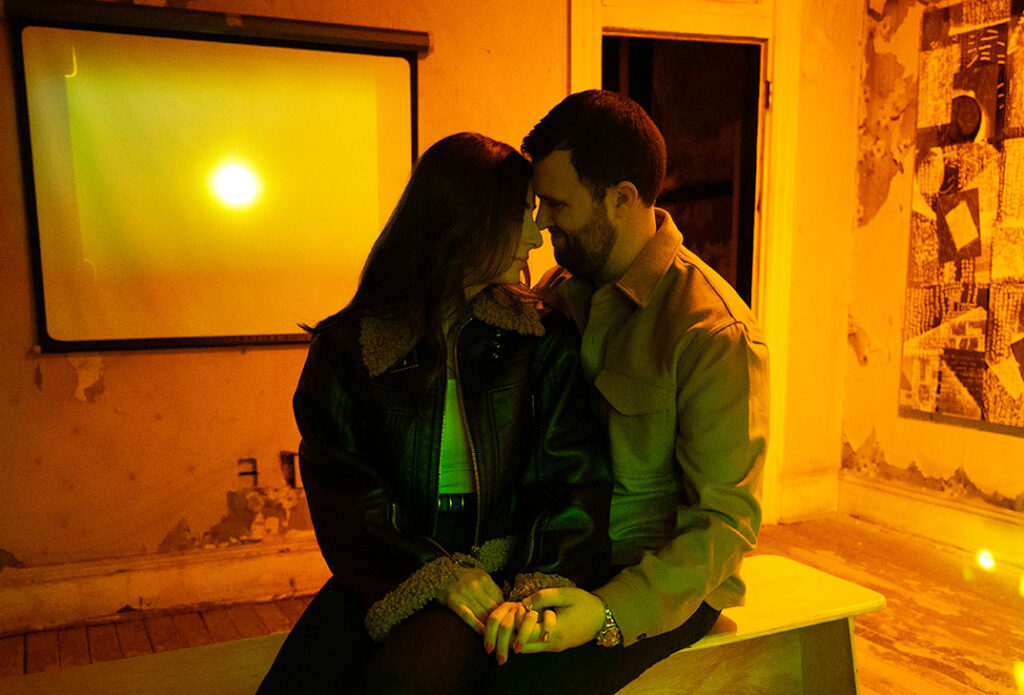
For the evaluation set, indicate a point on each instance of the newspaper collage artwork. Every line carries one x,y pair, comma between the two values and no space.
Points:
963,329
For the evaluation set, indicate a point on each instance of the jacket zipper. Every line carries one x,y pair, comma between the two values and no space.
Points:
437,488
537,521
393,508
469,436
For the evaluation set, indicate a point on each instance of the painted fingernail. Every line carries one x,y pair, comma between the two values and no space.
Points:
488,647
517,647
501,660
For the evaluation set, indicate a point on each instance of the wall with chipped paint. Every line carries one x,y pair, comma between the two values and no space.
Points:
949,462
126,453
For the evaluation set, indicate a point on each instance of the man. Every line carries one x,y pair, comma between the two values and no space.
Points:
679,368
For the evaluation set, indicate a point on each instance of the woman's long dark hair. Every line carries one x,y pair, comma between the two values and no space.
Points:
459,219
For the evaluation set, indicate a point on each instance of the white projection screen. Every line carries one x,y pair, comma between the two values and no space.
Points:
197,190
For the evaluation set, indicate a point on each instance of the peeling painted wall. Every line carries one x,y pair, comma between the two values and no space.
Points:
949,461
888,94
869,460
252,515
125,453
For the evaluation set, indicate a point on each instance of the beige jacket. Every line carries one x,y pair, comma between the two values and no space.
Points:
683,370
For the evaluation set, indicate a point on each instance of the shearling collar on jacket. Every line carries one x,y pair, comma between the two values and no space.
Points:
384,341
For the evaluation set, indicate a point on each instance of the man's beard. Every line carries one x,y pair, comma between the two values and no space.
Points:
584,252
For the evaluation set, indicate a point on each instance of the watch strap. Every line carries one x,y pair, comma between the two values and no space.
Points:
609,635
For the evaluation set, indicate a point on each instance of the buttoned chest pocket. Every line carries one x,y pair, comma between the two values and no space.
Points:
641,419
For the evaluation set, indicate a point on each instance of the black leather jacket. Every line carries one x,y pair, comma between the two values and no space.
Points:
370,418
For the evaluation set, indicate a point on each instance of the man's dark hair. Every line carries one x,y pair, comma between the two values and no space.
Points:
609,139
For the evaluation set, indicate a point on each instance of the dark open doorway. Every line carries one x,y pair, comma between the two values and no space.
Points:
705,98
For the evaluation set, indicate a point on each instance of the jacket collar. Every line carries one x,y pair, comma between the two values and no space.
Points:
573,295
653,261
383,342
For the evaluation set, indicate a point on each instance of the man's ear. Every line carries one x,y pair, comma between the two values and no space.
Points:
621,198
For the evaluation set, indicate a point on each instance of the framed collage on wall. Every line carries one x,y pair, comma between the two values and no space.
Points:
963,330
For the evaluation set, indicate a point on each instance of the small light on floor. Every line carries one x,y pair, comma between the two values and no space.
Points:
986,560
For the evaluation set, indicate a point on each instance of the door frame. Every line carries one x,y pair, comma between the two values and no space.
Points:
775,25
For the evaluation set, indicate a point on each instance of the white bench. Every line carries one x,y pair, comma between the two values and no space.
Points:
793,636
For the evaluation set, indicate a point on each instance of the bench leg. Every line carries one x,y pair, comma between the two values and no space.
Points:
828,661
766,665
813,660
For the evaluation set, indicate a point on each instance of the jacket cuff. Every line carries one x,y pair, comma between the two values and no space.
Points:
424,585
529,582
414,593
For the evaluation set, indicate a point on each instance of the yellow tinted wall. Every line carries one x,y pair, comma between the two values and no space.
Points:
104,455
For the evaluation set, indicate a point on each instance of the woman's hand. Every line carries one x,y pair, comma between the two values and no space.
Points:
511,623
472,597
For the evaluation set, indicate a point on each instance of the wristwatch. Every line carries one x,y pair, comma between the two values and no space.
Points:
609,636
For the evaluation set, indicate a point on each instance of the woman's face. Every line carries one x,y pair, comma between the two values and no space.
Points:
529,239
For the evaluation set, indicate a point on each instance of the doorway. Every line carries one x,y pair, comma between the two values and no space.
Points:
705,98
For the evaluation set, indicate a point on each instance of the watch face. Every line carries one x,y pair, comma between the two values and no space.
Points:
609,636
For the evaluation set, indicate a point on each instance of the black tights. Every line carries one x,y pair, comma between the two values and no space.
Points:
328,652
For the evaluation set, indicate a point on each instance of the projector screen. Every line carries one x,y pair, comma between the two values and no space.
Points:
200,192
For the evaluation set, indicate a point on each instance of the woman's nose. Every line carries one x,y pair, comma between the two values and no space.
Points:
532,236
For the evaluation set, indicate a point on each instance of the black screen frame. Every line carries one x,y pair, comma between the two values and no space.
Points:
182,24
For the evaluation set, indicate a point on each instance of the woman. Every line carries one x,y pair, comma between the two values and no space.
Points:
447,445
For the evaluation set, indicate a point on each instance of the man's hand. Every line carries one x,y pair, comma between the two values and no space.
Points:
472,597
579,613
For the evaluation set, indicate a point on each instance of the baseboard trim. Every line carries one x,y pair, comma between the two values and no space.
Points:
36,598
967,527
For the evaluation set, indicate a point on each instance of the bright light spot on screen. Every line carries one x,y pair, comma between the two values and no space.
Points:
1018,675
986,560
236,184
1020,588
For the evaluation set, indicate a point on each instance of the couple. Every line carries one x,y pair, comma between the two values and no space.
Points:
504,506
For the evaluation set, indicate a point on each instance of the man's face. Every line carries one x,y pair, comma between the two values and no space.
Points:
581,233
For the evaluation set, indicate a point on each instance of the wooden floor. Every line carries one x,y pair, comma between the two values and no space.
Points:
138,633
950,628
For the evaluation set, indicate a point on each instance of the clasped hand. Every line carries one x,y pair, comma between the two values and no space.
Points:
549,620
